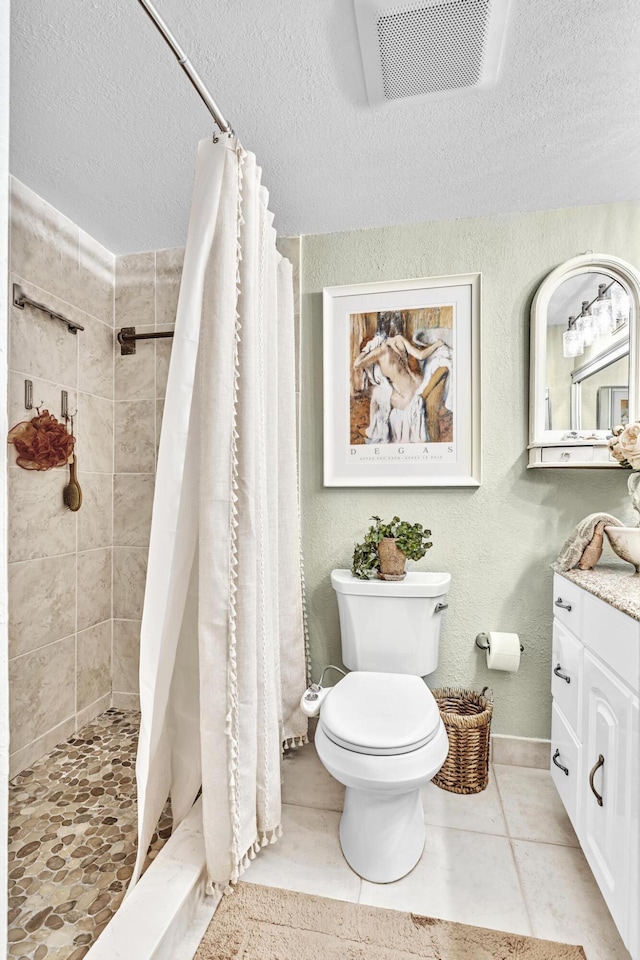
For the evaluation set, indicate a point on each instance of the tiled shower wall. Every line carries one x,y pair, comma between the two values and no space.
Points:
59,562
147,286
77,580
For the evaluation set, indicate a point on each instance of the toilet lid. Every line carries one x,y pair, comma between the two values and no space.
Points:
380,713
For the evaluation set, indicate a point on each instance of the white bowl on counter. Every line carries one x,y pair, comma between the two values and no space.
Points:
625,541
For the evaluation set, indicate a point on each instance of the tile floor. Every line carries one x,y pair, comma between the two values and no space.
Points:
72,840
506,858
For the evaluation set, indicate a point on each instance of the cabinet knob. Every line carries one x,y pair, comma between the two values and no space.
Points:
565,770
565,606
563,676
565,455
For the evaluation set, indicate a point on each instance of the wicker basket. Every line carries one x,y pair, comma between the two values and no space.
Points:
467,719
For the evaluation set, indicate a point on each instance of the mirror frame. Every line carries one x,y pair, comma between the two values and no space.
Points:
546,447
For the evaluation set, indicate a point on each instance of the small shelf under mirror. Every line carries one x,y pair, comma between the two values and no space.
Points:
584,361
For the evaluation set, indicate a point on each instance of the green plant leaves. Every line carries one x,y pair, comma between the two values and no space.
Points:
411,538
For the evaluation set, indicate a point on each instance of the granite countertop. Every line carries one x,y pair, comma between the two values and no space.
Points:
615,583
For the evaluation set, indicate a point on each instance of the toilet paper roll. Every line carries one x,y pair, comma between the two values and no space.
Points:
503,652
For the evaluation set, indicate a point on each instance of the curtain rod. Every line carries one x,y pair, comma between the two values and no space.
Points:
186,65
127,337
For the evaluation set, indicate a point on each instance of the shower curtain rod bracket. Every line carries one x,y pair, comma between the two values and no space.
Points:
126,341
127,338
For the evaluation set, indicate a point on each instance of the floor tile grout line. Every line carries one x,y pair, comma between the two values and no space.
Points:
521,888
502,805
439,826
511,834
305,806
546,843
521,891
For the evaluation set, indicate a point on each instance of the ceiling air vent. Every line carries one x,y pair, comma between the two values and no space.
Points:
429,49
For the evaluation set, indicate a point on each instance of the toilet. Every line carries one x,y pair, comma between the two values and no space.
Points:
380,732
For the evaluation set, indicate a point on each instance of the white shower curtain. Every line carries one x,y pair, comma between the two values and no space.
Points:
222,647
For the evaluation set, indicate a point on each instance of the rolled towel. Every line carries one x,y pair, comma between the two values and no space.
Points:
593,550
584,545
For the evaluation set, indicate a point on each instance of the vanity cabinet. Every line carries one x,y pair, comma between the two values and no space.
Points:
595,742
603,832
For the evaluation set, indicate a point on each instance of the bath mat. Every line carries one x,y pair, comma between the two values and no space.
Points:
265,923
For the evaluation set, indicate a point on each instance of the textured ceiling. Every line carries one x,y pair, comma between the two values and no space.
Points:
105,125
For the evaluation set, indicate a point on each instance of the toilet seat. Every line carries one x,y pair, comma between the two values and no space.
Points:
380,714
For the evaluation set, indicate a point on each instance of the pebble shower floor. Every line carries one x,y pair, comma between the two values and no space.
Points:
72,840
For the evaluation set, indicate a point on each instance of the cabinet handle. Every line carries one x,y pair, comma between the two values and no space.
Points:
565,770
599,763
565,606
562,676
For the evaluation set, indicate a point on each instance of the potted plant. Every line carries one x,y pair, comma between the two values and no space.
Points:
387,547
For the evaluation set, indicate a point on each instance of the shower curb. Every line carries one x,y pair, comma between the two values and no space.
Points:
153,919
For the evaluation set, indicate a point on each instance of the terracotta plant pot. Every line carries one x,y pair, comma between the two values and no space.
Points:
392,560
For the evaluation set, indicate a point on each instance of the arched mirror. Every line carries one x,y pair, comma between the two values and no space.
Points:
584,361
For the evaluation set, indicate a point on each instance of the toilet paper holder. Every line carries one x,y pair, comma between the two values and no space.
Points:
483,643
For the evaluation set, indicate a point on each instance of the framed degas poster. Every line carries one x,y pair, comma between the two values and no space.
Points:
402,383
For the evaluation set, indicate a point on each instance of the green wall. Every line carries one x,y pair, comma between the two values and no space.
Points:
497,541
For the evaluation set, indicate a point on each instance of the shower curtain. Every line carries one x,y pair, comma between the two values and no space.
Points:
222,648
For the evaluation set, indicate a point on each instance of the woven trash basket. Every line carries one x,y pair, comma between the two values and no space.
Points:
467,719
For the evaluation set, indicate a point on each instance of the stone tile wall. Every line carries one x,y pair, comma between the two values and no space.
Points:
147,287
77,580
59,562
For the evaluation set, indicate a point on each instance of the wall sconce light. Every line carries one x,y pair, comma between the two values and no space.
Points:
619,306
572,343
601,311
585,325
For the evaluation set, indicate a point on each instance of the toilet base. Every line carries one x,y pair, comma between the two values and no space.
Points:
382,837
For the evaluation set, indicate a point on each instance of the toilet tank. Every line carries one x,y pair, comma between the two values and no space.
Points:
391,627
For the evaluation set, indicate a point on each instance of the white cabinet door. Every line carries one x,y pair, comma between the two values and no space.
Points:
633,940
566,675
605,816
565,763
